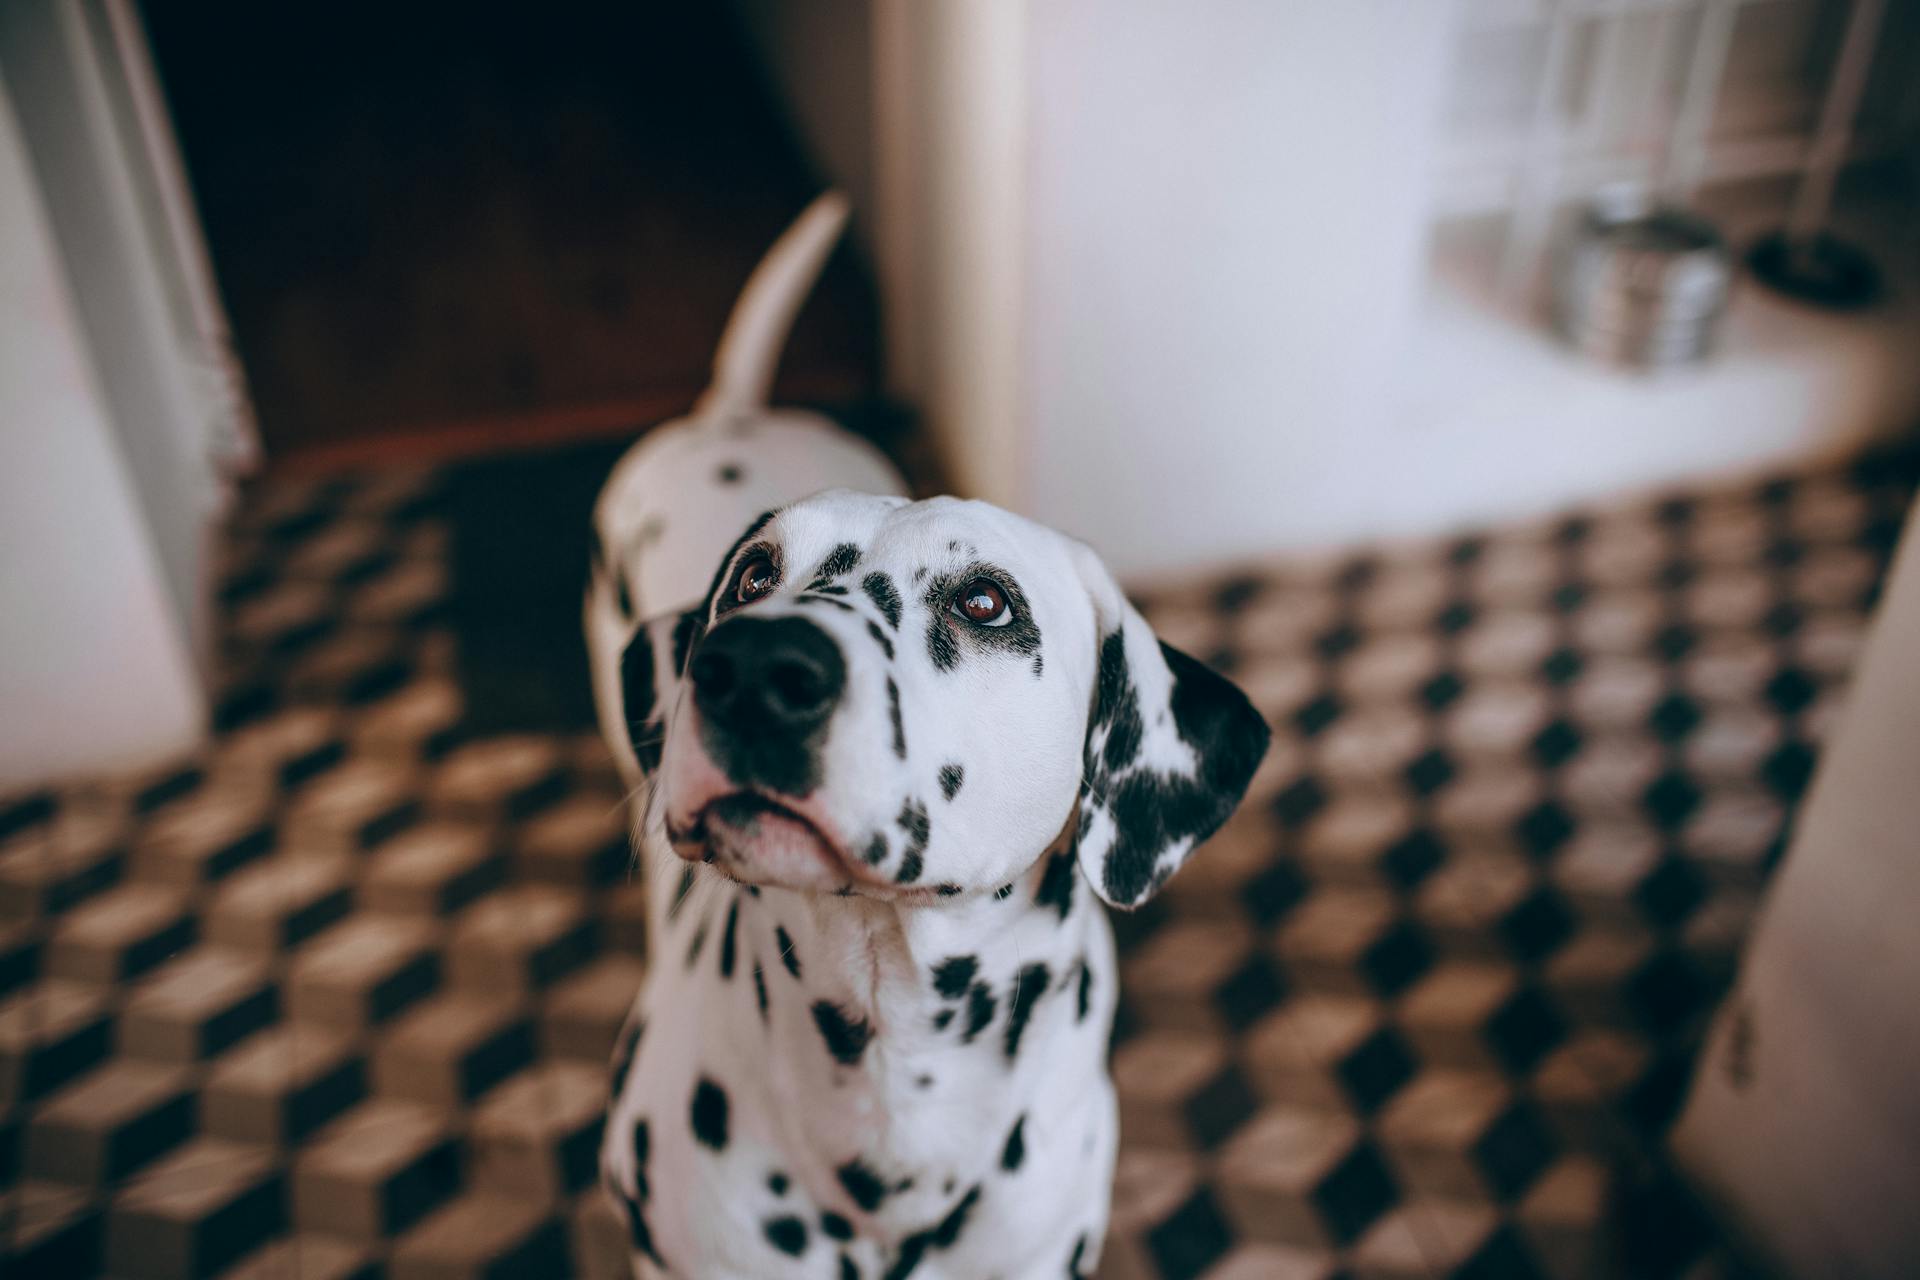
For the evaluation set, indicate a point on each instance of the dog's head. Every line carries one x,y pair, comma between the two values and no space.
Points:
916,700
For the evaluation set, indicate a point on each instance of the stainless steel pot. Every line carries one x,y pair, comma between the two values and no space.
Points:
1640,284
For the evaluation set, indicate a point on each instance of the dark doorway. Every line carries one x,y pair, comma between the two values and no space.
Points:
443,229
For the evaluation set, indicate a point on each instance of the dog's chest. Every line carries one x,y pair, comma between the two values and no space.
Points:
867,1042
885,1087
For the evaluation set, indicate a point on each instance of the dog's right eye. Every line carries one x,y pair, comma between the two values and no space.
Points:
758,576
983,603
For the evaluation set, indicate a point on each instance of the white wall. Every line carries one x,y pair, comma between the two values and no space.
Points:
1224,239
76,75
1804,1121
952,96
95,668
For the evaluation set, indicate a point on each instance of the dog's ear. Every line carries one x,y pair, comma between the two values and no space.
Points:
1171,746
650,669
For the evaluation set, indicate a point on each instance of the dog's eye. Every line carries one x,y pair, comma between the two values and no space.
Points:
757,577
983,603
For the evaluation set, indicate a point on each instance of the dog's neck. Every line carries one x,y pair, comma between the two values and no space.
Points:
895,966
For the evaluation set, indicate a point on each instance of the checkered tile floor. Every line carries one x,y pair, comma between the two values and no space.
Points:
332,997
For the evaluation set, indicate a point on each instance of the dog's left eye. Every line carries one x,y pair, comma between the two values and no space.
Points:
757,577
983,603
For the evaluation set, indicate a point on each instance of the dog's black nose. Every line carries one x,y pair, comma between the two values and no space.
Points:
767,675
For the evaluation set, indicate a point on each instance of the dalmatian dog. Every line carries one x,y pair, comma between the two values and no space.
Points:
886,756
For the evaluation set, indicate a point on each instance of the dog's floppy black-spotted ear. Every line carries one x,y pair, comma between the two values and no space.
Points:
1171,746
650,669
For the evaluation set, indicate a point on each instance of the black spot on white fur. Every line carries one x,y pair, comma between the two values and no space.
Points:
641,1235
1056,884
879,637
951,776
880,589
952,975
981,1007
839,562
943,1236
1117,706
893,714
862,1184
709,1114
914,821
1028,986
942,648
846,1036
1014,1154
787,1234
641,1145
832,1224
729,473
788,956
637,699
727,939
637,1229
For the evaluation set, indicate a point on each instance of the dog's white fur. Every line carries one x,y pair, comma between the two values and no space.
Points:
887,1056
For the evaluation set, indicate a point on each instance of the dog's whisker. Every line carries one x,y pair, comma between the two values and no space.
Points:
1093,788
627,798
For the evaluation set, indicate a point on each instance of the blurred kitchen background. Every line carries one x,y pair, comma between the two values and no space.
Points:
322,324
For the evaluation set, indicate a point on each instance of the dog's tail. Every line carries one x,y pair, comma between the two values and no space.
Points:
757,330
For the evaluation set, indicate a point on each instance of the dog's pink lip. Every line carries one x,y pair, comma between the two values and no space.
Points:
691,843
